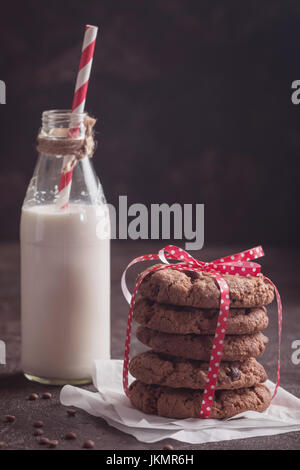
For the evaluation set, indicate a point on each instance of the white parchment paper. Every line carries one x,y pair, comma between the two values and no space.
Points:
111,404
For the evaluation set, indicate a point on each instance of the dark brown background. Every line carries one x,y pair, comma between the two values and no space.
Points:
193,100
194,106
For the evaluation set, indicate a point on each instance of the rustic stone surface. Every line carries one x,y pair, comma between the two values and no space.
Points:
280,265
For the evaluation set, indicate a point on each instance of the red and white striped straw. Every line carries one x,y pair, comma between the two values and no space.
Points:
79,98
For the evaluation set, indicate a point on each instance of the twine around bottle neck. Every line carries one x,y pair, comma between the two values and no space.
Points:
70,147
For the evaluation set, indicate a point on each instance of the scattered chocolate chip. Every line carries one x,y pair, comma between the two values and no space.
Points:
44,441
234,373
38,424
70,436
53,444
168,447
88,444
47,395
71,412
38,432
10,418
33,396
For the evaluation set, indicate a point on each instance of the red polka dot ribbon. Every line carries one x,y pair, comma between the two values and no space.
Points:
239,264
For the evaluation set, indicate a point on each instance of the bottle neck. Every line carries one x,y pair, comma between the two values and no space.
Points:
62,130
63,124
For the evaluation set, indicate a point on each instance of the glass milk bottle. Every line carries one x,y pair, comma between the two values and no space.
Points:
65,265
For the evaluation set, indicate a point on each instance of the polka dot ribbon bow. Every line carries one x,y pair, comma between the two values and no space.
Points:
239,264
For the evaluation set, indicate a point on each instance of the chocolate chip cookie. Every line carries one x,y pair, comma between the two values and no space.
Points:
199,347
186,320
200,289
159,369
184,403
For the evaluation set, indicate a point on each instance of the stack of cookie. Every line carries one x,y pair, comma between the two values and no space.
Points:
177,313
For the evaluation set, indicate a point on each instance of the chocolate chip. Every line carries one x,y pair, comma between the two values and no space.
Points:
46,396
191,274
155,291
168,447
38,424
53,444
234,373
70,436
33,396
10,418
210,313
44,441
38,432
71,412
88,444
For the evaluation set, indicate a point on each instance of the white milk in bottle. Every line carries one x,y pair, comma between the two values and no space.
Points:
65,267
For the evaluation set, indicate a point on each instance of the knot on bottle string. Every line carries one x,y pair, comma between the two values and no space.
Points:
65,143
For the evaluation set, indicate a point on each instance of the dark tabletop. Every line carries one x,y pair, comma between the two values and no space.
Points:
279,264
